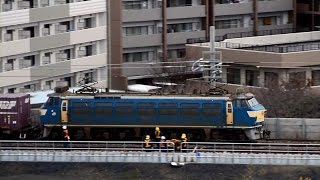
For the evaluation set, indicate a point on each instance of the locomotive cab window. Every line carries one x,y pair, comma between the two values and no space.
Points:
253,102
242,103
49,102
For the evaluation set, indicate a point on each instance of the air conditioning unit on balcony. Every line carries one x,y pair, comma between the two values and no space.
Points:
23,4
46,87
8,37
60,2
61,57
6,7
8,66
26,63
44,3
24,34
60,28
45,60
45,31
81,24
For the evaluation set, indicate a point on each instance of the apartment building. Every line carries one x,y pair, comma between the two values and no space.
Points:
46,41
243,18
157,30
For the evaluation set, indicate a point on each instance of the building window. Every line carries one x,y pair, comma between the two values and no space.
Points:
127,5
297,79
267,21
179,3
182,27
11,90
233,76
137,30
29,88
176,53
271,79
315,78
252,78
227,24
134,57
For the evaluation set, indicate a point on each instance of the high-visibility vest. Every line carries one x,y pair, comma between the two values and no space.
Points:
147,143
66,134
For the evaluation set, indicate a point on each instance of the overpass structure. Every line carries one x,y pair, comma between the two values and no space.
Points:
133,152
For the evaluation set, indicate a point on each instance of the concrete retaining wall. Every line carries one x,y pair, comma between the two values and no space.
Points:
151,157
293,128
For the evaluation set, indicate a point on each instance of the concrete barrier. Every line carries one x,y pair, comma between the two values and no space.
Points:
293,128
150,157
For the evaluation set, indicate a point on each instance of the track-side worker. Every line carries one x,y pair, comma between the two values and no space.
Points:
157,136
183,141
66,137
163,144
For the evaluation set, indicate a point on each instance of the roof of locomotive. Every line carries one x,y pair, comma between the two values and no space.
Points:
134,95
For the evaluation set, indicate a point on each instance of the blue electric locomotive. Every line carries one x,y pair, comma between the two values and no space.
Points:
111,115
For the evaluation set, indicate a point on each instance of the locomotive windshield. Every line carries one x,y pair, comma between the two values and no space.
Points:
252,102
49,102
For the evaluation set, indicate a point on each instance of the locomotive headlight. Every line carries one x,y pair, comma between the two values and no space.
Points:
43,112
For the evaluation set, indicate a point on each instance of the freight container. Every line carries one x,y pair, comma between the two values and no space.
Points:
14,112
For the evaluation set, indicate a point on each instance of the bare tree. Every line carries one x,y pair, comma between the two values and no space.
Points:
290,99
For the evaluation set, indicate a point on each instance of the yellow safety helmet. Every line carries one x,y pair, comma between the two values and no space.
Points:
183,136
157,129
147,137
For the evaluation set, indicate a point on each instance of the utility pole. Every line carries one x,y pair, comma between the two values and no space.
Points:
211,62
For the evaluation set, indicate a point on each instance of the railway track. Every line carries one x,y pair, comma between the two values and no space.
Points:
130,146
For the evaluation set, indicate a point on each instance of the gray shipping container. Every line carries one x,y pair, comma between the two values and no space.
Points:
14,111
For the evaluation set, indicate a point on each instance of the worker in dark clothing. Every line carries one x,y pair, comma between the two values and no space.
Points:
147,144
66,137
183,141
157,136
163,144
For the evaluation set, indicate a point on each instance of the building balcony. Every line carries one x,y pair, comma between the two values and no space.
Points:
233,9
141,15
275,6
142,41
156,14
181,37
23,16
186,12
47,42
51,70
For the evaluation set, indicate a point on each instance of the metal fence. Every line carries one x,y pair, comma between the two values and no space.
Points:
85,145
187,147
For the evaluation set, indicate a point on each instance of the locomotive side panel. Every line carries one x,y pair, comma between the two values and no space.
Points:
129,112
